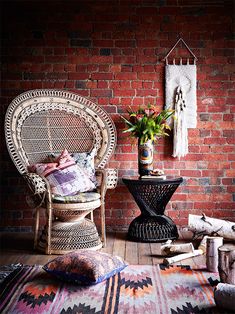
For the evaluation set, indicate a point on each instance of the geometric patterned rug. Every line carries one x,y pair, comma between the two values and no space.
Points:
138,289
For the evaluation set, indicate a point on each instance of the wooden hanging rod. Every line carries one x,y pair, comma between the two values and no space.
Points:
179,40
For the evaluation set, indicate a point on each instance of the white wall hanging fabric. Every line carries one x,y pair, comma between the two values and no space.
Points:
180,95
185,77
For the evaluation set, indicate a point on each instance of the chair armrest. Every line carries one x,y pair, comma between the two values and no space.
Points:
109,177
40,188
36,183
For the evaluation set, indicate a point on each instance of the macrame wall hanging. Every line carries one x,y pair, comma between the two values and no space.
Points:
180,92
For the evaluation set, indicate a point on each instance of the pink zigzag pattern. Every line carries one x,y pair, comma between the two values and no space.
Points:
136,276
186,291
147,307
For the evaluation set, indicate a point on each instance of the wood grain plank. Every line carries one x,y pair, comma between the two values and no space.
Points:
131,255
155,248
119,246
144,252
110,238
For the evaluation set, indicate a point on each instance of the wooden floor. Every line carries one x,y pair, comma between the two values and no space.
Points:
18,248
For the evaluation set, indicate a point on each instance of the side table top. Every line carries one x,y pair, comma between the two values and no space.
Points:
137,180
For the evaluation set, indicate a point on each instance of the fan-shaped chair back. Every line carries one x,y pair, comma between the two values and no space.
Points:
41,122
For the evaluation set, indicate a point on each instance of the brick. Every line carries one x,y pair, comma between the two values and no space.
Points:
147,43
136,84
125,43
125,76
124,59
148,76
102,84
101,76
105,51
127,68
146,92
137,101
215,140
78,76
190,173
147,59
147,85
115,68
78,60
55,59
101,93
101,59
125,84
125,92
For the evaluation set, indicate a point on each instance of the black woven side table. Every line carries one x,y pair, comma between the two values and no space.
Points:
152,197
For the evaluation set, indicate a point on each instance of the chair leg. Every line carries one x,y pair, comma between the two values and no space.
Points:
92,216
103,231
48,228
36,227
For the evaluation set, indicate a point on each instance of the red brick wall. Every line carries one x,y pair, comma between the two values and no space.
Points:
111,52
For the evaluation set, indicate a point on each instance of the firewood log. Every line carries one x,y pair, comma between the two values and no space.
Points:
180,257
211,226
213,243
224,295
168,249
226,263
203,244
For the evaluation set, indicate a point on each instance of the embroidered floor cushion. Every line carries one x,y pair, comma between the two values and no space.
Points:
86,267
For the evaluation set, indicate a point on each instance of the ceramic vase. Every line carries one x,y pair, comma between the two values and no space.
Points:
145,157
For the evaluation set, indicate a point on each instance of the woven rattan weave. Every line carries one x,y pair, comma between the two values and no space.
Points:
152,197
43,122
80,235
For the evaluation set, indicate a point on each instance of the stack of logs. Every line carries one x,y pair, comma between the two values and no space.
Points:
219,258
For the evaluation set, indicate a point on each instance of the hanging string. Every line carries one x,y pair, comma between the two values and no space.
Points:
187,47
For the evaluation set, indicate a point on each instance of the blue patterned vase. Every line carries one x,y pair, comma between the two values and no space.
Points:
145,157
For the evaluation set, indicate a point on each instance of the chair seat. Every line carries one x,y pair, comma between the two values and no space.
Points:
82,197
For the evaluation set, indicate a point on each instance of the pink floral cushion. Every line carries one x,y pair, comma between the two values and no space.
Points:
64,175
86,267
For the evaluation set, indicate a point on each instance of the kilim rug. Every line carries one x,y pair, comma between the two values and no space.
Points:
141,289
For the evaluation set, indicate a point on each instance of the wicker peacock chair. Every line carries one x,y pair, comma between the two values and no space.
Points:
39,123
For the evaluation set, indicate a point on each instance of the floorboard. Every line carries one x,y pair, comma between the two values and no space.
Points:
131,255
144,254
119,245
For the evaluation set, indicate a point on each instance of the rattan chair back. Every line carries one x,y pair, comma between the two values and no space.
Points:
41,122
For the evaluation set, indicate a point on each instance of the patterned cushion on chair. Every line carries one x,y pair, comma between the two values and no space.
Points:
78,198
64,175
85,267
85,160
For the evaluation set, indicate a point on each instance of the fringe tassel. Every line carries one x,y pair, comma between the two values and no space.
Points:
180,145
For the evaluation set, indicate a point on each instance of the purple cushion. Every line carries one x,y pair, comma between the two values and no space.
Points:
64,176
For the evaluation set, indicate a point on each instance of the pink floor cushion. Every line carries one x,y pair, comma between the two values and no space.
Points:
86,267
